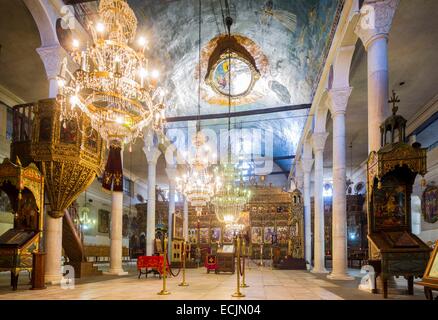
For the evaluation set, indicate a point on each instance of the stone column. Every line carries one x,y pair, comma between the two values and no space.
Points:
337,100
53,248
116,234
52,58
318,143
306,165
152,155
186,220
171,174
373,29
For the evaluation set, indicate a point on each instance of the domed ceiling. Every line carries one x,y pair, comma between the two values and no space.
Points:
287,40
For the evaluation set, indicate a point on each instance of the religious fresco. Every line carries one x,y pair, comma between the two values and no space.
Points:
215,235
69,131
256,235
228,236
289,41
268,234
103,221
282,233
192,236
429,204
203,235
389,206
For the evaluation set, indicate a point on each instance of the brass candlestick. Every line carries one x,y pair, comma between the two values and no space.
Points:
238,294
272,259
163,291
261,254
244,285
184,283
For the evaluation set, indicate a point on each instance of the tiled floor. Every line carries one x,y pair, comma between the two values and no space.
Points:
264,284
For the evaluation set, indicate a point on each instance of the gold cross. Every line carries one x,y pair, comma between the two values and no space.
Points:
394,100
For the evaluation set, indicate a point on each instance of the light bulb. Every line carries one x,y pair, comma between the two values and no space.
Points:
142,41
143,72
74,100
100,27
155,74
75,43
61,82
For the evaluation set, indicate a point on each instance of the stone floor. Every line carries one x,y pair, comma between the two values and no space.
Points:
264,282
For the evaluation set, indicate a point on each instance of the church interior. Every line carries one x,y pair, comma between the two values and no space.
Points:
218,149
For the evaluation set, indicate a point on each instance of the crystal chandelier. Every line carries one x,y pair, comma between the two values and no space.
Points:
231,198
197,185
113,85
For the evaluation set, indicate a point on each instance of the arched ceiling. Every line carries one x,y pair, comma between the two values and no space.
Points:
293,36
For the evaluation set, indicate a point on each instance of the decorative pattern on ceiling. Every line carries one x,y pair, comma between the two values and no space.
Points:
288,40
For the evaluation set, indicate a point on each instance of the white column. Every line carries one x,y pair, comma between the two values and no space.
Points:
152,155
373,29
186,220
52,58
171,175
318,143
338,100
306,165
53,248
116,235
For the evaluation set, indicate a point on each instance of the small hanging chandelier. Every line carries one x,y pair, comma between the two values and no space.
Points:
113,85
84,216
197,185
232,196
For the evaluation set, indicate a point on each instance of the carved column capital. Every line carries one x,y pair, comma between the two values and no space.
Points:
376,20
318,141
152,154
337,100
299,182
172,173
52,58
306,165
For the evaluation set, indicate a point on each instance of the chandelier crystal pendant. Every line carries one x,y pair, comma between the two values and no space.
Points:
231,198
113,86
197,185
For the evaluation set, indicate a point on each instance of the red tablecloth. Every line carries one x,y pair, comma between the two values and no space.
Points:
152,262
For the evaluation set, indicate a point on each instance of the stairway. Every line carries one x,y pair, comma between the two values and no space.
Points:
74,250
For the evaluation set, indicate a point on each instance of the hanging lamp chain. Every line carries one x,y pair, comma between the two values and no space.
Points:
198,122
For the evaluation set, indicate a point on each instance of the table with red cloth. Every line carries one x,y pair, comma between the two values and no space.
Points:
151,262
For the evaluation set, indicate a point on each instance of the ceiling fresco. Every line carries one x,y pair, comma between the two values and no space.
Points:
287,39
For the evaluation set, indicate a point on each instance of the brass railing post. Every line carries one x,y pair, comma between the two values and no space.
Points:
163,291
238,293
244,285
183,282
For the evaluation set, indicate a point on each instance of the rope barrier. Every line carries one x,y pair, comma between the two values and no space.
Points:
170,268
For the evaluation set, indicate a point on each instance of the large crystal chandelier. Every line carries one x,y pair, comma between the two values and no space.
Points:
197,185
113,85
231,198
